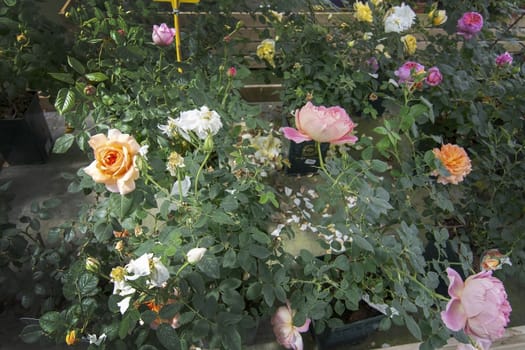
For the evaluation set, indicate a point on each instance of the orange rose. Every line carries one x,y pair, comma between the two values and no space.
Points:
455,159
71,337
114,163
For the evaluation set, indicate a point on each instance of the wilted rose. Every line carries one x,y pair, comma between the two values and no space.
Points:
114,163
470,24
457,162
434,77
478,306
321,124
284,330
162,35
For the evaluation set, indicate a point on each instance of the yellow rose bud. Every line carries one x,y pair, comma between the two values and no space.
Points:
437,17
21,38
71,337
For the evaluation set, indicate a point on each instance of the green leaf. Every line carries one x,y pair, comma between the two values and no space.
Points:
254,291
63,143
413,327
52,322
76,65
342,263
362,243
103,231
379,165
96,77
10,3
209,266
87,284
259,251
31,333
231,339
268,295
63,77
65,100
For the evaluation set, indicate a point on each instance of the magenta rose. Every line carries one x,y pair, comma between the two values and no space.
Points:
163,35
470,24
477,306
321,124
284,330
504,59
408,71
434,77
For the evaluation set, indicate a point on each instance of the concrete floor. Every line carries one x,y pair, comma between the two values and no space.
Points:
37,182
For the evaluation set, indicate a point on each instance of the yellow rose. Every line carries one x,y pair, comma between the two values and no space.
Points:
362,12
114,163
410,43
266,51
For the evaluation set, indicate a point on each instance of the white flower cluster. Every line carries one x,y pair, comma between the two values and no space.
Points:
399,19
145,265
202,122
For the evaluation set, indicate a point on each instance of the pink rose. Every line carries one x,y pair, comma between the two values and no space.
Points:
321,124
408,71
285,332
479,306
434,76
504,59
114,163
163,35
470,24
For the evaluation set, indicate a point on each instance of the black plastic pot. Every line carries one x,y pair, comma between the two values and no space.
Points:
26,139
304,157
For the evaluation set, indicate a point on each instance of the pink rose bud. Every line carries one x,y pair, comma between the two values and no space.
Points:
434,76
478,306
163,35
470,24
232,71
504,59
321,124
121,32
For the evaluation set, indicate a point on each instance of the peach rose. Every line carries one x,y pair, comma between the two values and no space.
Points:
114,163
456,160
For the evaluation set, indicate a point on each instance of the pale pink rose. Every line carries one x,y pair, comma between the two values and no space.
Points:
321,124
434,77
162,35
470,24
504,59
285,332
114,163
478,306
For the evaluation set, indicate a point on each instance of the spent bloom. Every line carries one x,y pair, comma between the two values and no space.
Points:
363,13
284,330
408,71
202,122
399,19
321,124
162,35
469,24
478,306
504,59
410,44
115,161
266,51
434,76
493,260
175,161
457,162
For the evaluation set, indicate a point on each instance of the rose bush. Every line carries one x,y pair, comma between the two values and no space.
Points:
188,237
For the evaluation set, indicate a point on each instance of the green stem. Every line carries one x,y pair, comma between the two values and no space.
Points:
321,162
199,173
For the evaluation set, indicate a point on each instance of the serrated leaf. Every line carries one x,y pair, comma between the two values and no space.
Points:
362,243
168,337
231,339
96,77
65,100
31,333
76,65
87,284
51,322
413,327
